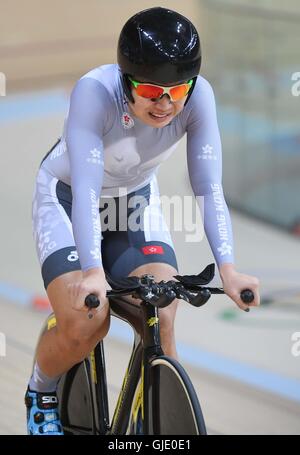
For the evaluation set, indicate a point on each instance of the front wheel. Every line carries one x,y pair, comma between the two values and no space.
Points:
174,408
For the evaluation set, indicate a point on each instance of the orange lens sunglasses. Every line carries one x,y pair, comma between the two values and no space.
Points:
151,91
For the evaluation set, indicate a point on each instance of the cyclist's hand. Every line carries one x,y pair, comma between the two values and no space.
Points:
93,282
234,283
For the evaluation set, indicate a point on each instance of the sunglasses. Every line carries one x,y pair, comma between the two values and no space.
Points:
150,91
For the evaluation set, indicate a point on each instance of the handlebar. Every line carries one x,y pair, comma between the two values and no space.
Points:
162,294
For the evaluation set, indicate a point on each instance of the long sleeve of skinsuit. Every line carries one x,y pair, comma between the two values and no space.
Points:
84,132
204,156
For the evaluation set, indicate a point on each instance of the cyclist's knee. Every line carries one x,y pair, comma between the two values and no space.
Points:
75,330
79,333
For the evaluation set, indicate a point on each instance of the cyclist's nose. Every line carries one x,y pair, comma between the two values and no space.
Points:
165,100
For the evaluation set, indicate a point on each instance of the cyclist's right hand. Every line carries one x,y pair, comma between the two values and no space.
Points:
93,282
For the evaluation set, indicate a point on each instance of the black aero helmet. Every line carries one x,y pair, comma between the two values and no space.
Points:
159,45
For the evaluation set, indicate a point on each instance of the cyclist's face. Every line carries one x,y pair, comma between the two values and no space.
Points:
158,112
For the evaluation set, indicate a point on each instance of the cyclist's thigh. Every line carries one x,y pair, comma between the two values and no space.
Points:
52,227
56,249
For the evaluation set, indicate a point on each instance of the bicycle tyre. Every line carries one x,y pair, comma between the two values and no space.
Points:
174,408
82,395
74,397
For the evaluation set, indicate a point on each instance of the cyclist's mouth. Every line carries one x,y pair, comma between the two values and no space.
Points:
159,117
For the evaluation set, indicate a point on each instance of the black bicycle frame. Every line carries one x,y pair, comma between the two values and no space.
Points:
143,318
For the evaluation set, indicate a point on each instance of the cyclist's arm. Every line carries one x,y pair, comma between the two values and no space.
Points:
88,115
204,155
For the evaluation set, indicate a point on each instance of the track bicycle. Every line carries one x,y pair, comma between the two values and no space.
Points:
157,396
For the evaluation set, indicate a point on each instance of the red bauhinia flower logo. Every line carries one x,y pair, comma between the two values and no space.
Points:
127,121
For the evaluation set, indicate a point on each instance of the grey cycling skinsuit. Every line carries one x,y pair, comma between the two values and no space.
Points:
107,155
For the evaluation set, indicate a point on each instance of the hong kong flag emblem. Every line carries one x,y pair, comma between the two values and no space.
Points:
153,249
127,121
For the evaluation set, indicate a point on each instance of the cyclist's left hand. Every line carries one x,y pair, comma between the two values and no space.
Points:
234,283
